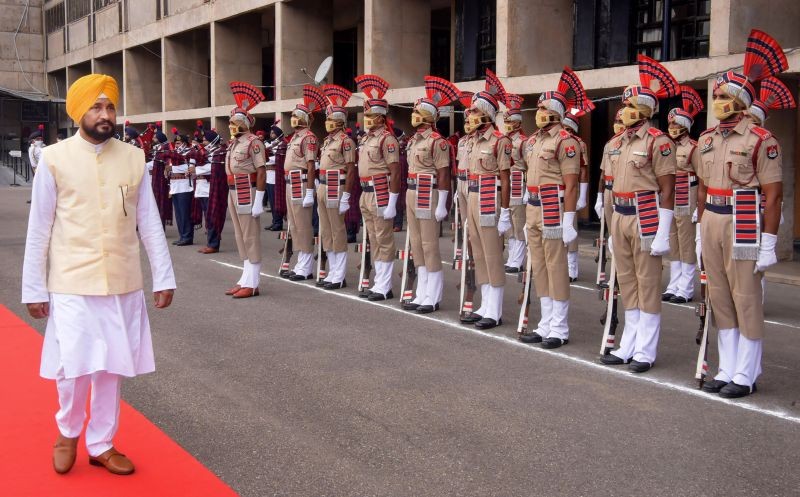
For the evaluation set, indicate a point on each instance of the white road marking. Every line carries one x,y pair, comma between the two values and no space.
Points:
510,341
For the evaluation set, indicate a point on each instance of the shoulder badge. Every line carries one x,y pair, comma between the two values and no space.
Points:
655,132
761,132
708,144
570,151
665,149
435,135
443,144
772,151
391,147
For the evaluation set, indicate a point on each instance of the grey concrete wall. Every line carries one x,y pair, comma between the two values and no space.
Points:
142,82
397,40
178,6
30,45
186,70
78,34
107,22
234,57
304,37
112,65
538,40
141,14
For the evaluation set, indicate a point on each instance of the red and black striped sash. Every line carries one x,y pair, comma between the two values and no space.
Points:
746,224
244,193
517,187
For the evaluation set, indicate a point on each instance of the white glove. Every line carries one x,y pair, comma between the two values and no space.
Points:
258,204
344,203
694,216
441,207
610,245
766,253
525,197
698,246
598,205
391,210
568,233
504,223
584,187
316,183
308,199
661,243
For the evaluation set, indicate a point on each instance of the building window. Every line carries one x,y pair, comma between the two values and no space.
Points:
345,57
54,18
78,9
690,27
100,4
440,43
487,36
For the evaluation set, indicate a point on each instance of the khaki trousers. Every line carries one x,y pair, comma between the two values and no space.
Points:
681,240
518,218
736,298
332,230
487,247
424,233
638,273
247,230
608,207
300,223
548,259
379,230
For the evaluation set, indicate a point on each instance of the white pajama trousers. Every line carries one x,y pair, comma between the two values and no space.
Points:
104,417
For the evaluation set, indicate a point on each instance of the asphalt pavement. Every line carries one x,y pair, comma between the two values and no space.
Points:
306,392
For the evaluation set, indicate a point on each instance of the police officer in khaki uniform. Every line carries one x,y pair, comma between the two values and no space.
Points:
604,205
337,178
462,164
570,123
681,236
379,174
300,173
489,191
512,122
552,157
428,188
644,178
245,165
737,162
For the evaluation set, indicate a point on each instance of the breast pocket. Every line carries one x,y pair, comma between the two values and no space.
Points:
373,153
740,170
423,156
487,161
548,162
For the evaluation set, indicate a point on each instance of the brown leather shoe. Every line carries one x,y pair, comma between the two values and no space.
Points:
233,290
244,293
208,250
113,461
64,452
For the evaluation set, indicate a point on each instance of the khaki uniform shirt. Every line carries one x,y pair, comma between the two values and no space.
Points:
428,151
518,140
377,150
610,149
338,150
550,154
643,157
301,149
490,154
685,148
246,154
727,163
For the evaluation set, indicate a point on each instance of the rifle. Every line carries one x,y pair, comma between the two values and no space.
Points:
600,243
703,311
409,274
457,228
366,264
525,298
467,267
322,261
608,292
286,251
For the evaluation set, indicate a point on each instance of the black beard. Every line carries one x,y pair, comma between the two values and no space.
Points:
99,135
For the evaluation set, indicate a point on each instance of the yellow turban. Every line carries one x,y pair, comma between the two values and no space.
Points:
83,93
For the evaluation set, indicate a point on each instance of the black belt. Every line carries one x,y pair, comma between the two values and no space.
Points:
367,188
719,209
233,187
625,210
608,186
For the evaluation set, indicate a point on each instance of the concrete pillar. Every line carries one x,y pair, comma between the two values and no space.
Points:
186,69
303,39
533,39
235,57
397,38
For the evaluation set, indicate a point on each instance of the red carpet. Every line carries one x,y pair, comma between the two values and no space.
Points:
29,403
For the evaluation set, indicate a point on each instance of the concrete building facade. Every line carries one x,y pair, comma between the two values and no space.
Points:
175,58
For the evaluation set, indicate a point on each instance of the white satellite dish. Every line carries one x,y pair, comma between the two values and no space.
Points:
322,70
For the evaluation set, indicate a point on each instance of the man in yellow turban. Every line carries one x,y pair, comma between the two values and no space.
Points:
82,271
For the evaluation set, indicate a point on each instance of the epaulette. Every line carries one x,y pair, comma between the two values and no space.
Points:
435,135
761,132
498,133
655,132
709,130
564,134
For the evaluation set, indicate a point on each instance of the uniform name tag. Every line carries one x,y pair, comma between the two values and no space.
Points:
615,152
741,153
640,154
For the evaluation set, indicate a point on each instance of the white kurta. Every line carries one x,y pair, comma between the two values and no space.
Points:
87,334
202,187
